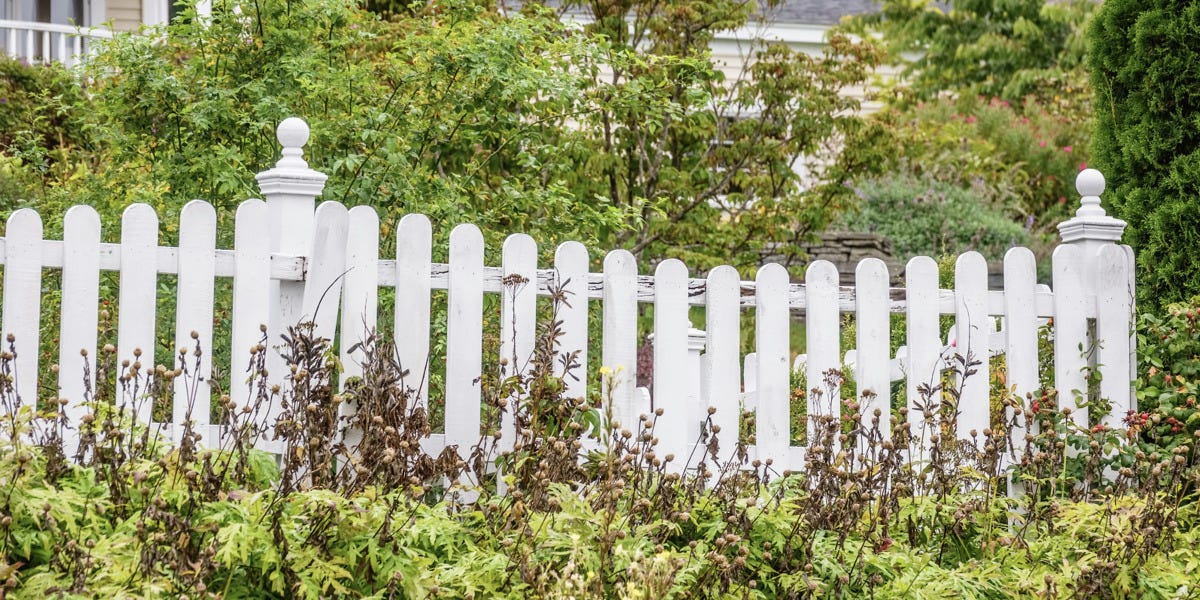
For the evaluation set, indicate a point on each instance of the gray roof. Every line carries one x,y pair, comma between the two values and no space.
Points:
820,12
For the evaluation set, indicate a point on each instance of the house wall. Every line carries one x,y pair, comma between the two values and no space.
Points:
126,15
733,52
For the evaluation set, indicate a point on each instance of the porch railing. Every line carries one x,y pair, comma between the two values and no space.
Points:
48,42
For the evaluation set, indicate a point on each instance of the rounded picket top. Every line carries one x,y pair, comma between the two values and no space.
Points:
1019,255
1066,253
969,261
921,264
82,216
251,209
331,209
521,244
821,271
724,273
1089,182
466,233
23,219
413,221
363,235
414,236
872,268
139,211
620,260
198,211
672,267
292,133
571,253
775,274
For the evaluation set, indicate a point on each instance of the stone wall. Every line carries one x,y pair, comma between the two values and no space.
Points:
845,249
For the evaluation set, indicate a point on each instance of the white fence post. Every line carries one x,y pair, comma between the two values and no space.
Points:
1106,274
290,190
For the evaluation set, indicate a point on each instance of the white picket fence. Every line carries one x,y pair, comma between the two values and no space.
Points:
293,260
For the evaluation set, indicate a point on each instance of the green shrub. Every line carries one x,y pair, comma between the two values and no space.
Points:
1168,383
1019,160
31,97
39,125
1142,58
1010,49
931,218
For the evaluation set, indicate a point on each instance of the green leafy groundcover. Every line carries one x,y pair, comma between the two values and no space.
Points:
453,552
352,506
328,545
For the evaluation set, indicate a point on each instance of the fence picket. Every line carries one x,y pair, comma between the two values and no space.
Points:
360,306
571,267
823,325
723,325
1113,301
620,337
971,320
464,338
137,304
360,292
414,251
923,331
251,306
670,363
327,271
80,315
1021,331
518,316
772,317
194,313
1070,330
874,345
22,307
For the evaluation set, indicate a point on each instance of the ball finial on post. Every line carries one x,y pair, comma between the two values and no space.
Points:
292,134
1090,184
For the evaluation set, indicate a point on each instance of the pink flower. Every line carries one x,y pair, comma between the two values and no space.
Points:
1041,143
1067,148
1082,166
970,118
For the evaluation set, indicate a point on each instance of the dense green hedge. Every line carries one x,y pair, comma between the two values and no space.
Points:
1143,60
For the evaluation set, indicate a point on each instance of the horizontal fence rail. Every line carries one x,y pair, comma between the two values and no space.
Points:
293,268
323,264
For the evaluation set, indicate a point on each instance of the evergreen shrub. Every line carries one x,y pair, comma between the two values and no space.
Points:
1142,59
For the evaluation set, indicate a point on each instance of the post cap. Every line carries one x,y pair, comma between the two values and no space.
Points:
291,174
1090,184
292,134
1091,223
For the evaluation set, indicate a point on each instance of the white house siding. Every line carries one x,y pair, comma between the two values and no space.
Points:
126,15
